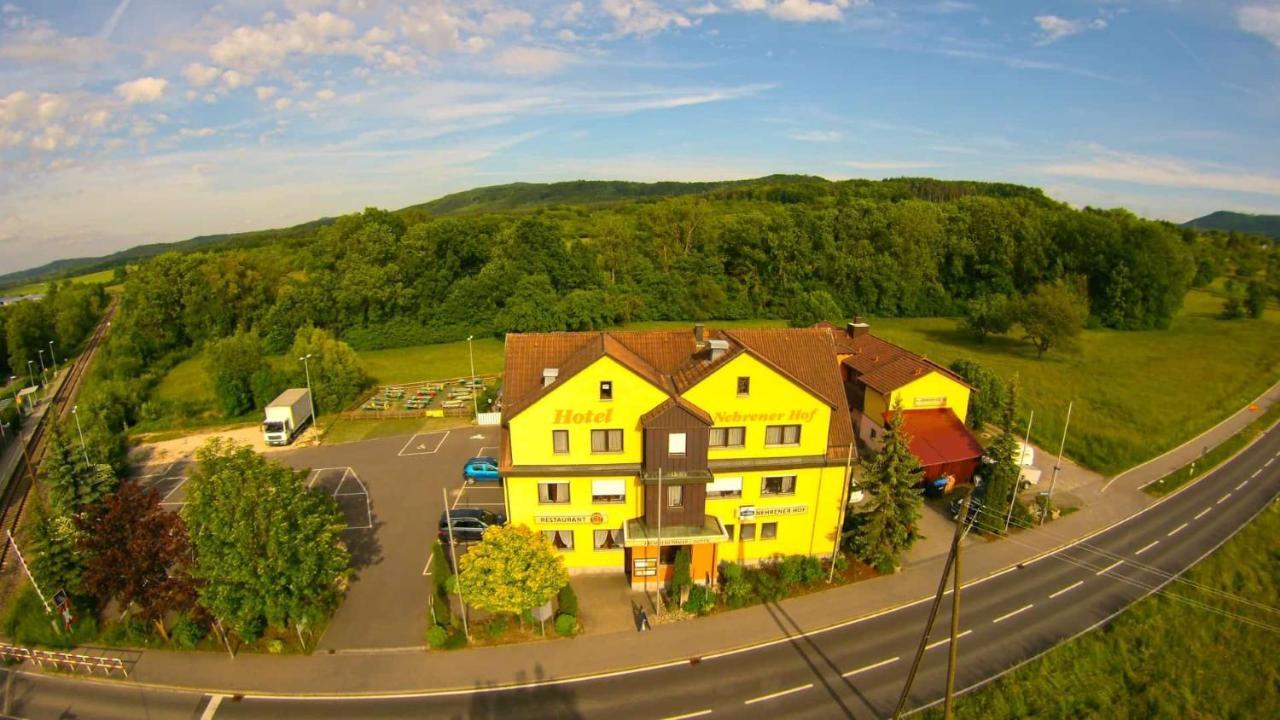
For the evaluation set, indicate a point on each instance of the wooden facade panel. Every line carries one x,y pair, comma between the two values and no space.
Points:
656,444
694,511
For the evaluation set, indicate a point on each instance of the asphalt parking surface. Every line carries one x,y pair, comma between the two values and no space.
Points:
389,491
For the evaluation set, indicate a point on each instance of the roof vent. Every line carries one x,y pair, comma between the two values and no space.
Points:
718,348
857,328
549,375
699,333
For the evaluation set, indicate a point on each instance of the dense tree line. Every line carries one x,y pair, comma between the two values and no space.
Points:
65,316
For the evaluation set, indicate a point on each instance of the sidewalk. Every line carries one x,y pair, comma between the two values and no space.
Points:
420,670
13,451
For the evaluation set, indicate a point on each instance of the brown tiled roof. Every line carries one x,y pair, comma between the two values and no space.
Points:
883,366
676,401
570,353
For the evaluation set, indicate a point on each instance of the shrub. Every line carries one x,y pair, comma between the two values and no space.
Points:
275,646
810,569
187,633
766,585
437,636
681,575
456,640
791,572
738,591
566,625
496,627
701,600
841,562
567,600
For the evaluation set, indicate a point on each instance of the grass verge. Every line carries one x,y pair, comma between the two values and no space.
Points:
1163,658
342,430
1214,457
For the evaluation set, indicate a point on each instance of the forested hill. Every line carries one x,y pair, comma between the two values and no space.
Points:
785,189
1224,220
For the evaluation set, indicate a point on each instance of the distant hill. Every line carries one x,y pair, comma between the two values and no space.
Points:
532,196
1268,225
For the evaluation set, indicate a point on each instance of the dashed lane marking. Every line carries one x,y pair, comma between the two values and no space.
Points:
686,716
1006,616
1223,499
1202,513
1256,473
1268,463
945,640
1067,589
778,694
1242,484
1176,530
1110,567
1147,547
872,666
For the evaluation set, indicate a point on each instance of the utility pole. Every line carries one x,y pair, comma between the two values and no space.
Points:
1058,465
658,562
83,448
844,509
53,357
457,575
961,521
949,703
474,409
1009,517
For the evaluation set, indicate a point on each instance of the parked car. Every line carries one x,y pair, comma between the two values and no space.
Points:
481,469
469,524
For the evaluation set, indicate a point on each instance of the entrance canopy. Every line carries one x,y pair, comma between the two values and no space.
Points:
938,437
638,533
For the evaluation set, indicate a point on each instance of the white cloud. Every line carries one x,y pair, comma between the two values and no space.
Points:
821,136
265,92
1054,28
642,17
798,10
233,79
254,49
34,41
325,95
197,132
500,21
1110,165
531,60
142,90
283,104
567,35
200,75
889,165
572,12
1261,20
709,8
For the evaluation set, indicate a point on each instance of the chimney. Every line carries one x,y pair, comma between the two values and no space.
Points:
549,375
718,349
699,333
857,328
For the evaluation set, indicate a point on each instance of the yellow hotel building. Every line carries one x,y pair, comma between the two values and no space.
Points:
623,447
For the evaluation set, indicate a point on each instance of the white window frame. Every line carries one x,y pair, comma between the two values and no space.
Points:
615,534
764,485
560,433
551,536
781,440
677,443
543,497
764,531
729,487
608,433
606,492
727,432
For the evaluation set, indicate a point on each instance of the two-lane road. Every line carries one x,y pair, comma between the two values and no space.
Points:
856,670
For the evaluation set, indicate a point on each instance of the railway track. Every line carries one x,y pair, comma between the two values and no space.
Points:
13,498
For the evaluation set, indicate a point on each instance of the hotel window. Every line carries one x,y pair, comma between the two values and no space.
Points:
608,491
606,389
676,443
675,496
608,539
728,437
748,531
559,539
724,488
768,531
744,386
728,528
552,493
606,441
778,485
560,442
782,435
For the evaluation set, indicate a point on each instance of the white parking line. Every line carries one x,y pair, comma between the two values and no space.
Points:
1242,484
872,666
1176,530
422,448
1202,513
212,707
1015,612
946,640
1067,589
481,452
1147,547
778,694
1110,567
686,716
1223,499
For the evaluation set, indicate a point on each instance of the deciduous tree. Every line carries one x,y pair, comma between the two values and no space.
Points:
989,315
1052,315
231,365
336,375
512,569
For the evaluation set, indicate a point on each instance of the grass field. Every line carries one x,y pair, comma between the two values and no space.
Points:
39,287
342,430
432,362
1163,658
1137,394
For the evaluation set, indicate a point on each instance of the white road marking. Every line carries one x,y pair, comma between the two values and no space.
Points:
1202,513
427,570
421,449
1176,530
1006,616
1268,463
481,451
1222,499
1110,567
872,666
1256,473
212,707
1242,484
1147,547
686,716
778,694
1067,589
945,640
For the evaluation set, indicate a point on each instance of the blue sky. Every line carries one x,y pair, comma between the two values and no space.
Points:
131,121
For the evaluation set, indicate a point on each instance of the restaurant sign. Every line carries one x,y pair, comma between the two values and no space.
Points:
571,519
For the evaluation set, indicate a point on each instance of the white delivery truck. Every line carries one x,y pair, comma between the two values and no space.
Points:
286,416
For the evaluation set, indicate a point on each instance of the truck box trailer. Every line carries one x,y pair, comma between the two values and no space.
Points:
286,416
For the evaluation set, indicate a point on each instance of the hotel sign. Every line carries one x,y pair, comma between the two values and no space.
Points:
571,519
751,512
798,416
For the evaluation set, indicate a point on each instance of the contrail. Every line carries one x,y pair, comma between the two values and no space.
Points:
110,25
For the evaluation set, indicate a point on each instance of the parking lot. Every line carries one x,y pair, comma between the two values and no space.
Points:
390,492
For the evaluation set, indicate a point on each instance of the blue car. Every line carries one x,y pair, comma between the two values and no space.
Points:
481,469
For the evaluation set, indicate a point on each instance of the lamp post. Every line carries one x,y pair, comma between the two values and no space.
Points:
53,358
31,370
311,396
471,355
43,374
3,425
83,448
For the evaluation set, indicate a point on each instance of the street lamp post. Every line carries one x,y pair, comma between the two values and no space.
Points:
43,371
31,370
311,396
53,357
471,355
83,448
3,425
